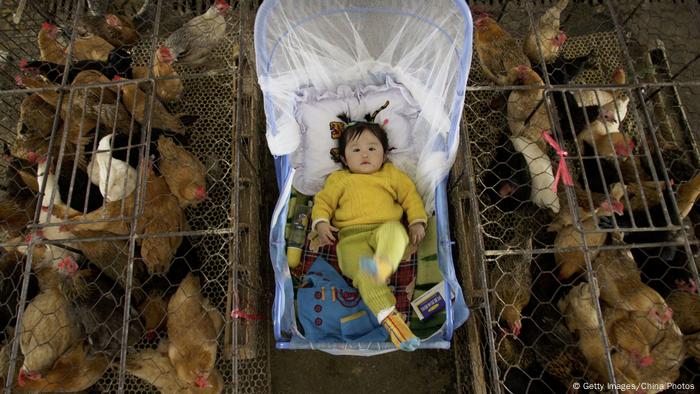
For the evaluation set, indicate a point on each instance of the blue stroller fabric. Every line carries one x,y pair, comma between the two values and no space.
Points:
422,46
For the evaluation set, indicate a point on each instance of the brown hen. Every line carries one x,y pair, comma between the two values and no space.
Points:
511,280
136,100
156,368
499,54
548,34
76,370
193,328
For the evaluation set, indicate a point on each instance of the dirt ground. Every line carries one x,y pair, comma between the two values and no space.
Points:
310,371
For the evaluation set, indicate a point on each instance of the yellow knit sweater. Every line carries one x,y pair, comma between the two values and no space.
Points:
349,199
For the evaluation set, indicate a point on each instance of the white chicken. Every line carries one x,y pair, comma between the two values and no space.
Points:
48,254
541,174
115,178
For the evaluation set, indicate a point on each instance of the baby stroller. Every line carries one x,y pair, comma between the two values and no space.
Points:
316,59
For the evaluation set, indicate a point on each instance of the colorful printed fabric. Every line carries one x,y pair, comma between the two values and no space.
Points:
401,282
330,309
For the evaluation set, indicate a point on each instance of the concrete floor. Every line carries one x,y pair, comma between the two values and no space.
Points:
310,371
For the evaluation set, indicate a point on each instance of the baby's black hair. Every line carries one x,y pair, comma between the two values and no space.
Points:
355,129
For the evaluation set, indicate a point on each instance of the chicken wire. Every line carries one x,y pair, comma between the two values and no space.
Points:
656,43
221,236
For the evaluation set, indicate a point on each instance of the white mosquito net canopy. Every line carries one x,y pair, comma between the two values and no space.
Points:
422,46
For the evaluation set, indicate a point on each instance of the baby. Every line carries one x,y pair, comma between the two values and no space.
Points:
364,203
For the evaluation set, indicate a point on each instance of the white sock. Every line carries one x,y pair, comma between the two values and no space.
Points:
384,313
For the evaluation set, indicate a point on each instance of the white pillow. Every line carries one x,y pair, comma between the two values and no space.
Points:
314,111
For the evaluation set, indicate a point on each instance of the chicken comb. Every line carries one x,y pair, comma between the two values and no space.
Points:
201,193
47,26
18,80
150,335
478,14
68,264
113,20
23,64
117,78
619,76
560,38
202,382
618,207
646,361
165,54
222,5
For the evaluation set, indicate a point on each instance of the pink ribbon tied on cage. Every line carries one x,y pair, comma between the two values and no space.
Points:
239,314
562,170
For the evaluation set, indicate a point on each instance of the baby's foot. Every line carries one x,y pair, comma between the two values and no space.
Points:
399,333
378,269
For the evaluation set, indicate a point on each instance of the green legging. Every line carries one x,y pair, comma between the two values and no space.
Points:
386,242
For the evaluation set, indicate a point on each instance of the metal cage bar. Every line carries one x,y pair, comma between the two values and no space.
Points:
220,238
651,220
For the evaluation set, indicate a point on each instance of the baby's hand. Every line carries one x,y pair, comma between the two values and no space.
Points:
325,233
416,233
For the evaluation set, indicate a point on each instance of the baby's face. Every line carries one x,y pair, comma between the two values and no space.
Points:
365,154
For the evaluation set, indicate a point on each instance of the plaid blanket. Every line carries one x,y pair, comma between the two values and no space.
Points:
402,282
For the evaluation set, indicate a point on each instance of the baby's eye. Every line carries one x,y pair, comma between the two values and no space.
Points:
356,149
372,149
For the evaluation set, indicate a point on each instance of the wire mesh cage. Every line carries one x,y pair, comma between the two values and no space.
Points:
131,200
580,284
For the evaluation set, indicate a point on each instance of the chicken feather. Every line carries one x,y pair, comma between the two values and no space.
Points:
499,54
194,42
193,328
548,34
184,173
